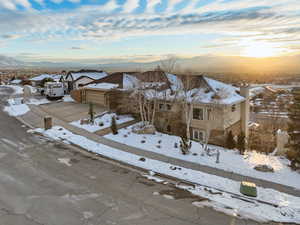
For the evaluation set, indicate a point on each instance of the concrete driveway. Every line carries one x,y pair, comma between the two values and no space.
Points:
70,111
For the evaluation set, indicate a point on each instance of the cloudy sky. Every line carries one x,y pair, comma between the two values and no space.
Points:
145,30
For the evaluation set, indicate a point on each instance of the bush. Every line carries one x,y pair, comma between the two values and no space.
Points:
241,143
291,155
91,112
113,126
230,142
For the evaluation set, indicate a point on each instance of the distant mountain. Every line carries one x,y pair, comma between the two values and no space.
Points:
205,63
7,62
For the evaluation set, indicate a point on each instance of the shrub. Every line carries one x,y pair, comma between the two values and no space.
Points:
230,142
91,112
291,155
241,143
113,126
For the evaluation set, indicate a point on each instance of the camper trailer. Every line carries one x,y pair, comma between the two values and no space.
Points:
54,90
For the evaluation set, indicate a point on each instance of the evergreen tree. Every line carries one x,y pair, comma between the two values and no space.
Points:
230,142
294,127
91,113
241,143
113,126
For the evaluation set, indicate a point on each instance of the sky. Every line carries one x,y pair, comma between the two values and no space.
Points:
147,30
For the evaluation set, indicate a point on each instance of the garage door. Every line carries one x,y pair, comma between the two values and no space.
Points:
96,97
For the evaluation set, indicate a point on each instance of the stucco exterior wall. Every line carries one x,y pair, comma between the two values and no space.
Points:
231,117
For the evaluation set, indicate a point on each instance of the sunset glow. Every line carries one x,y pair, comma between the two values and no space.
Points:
261,50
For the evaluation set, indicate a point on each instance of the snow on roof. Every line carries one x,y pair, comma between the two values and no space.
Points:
92,75
223,93
176,82
130,82
256,91
217,93
43,76
105,86
16,81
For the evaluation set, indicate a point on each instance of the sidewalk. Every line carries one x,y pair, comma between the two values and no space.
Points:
35,119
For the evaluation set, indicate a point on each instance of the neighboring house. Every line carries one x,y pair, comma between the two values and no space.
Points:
216,107
16,81
37,80
80,78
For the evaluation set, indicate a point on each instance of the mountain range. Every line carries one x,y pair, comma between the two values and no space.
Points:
205,63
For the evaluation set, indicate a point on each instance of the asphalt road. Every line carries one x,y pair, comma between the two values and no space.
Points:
38,185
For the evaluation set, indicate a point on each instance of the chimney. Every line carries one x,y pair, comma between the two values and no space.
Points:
245,108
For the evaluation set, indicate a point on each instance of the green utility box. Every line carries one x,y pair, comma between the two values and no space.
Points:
249,189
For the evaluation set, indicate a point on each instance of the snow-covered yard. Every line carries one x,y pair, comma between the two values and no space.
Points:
288,209
103,122
230,160
17,89
17,107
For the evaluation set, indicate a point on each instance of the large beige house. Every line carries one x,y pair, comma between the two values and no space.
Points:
215,108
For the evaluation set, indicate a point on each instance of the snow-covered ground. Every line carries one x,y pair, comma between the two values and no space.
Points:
16,110
68,98
288,209
17,107
103,122
17,89
230,160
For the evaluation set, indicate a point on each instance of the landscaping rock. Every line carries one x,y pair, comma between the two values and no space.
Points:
84,121
264,168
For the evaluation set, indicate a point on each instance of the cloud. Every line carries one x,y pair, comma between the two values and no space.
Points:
172,4
256,20
151,4
77,48
12,4
10,36
130,5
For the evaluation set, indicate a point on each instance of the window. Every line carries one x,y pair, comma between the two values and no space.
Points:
169,107
161,106
209,116
198,114
198,135
233,108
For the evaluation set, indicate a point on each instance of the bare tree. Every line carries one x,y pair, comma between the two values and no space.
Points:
169,65
187,99
147,94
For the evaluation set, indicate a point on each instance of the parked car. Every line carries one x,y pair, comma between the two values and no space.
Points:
54,90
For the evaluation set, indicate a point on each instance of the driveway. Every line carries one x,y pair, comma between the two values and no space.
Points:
70,111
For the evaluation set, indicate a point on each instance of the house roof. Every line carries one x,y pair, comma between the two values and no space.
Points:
102,86
16,81
202,90
43,76
94,75
170,86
